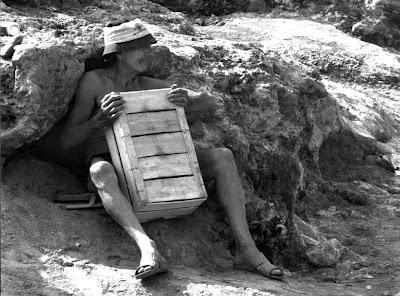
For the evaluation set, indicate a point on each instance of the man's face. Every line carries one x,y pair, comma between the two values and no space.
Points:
137,59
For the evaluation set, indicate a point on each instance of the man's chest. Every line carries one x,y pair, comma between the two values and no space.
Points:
109,86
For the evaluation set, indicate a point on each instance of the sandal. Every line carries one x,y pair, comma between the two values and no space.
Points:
157,265
261,266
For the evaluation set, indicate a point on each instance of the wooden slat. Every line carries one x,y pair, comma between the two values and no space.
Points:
172,189
165,214
116,160
73,197
148,100
123,122
159,206
129,165
153,122
194,163
182,118
165,166
159,144
191,151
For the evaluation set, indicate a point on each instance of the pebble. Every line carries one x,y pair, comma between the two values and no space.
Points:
68,264
369,287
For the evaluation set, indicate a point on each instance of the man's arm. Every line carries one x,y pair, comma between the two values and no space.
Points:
200,101
191,100
80,125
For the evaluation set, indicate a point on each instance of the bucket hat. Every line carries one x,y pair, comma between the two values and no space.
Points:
127,36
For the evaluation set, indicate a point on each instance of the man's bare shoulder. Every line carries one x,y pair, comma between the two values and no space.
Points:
90,78
147,82
93,83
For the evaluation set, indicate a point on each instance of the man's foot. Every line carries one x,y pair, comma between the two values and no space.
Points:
150,265
255,261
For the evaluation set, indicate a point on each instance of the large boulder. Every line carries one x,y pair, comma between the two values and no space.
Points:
375,21
39,81
44,83
381,24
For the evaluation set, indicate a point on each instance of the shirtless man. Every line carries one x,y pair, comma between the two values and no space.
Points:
98,104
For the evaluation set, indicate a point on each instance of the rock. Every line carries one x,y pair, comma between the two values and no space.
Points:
4,7
394,159
380,160
347,156
184,28
318,250
43,80
378,32
325,253
310,235
7,49
67,264
374,21
256,6
208,7
351,192
44,2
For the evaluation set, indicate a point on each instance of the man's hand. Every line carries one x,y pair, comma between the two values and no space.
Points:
178,96
112,106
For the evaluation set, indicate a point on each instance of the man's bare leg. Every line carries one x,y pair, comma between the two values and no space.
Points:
219,163
117,206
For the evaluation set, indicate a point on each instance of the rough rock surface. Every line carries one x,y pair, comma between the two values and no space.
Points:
206,7
325,253
298,109
375,21
380,23
44,80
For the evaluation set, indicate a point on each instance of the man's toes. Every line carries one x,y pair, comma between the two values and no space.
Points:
276,272
144,268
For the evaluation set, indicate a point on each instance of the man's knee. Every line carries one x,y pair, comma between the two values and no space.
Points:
223,156
103,174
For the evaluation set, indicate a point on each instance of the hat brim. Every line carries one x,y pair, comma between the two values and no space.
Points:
130,45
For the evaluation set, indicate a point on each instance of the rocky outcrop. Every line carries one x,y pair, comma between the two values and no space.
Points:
320,251
374,21
381,24
45,2
207,7
41,83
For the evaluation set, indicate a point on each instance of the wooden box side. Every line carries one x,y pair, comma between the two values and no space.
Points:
117,163
134,153
132,173
191,151
147,100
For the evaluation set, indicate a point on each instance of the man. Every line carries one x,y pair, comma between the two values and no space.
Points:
98,104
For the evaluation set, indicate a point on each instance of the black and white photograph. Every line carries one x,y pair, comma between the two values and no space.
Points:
200,147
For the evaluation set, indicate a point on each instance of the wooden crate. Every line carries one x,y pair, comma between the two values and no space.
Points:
154,157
